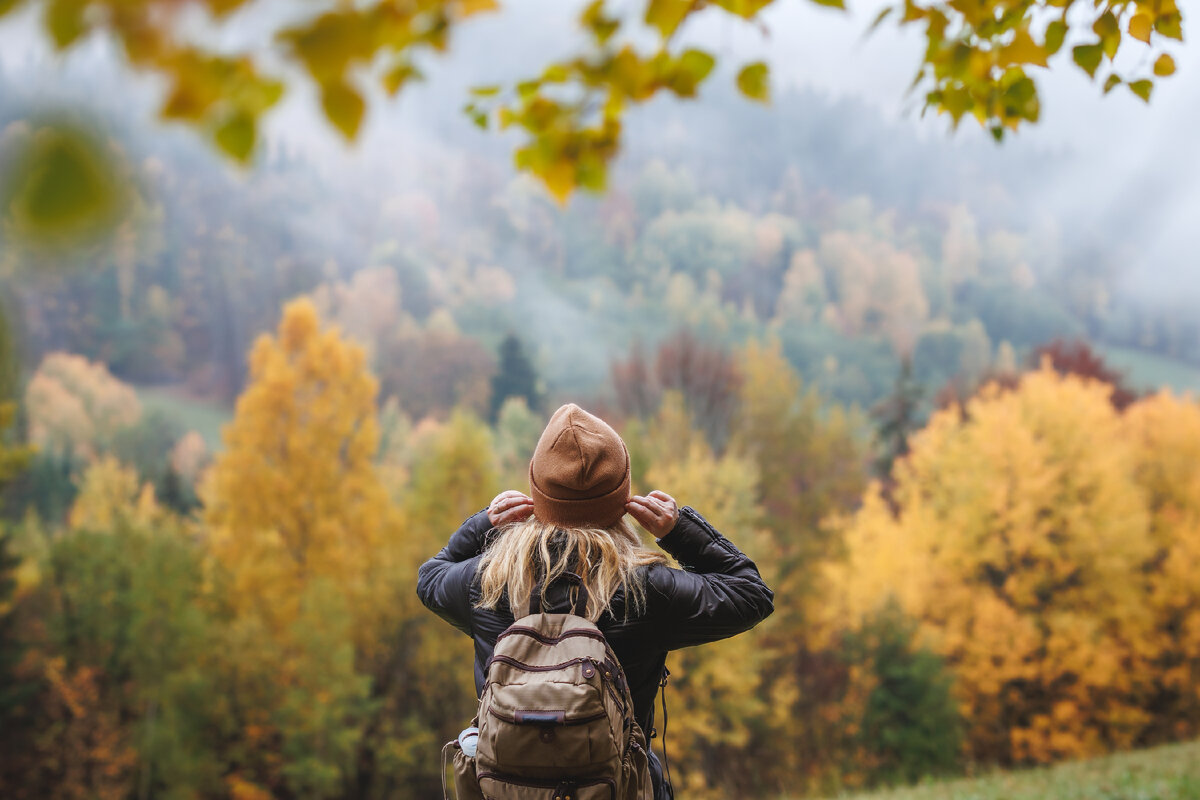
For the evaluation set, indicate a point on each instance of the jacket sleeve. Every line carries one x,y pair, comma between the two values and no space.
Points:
717,594
444,581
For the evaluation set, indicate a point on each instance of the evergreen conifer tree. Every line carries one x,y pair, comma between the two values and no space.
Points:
896,417
516,376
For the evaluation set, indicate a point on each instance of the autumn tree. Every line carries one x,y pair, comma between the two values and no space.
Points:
810,458
704,376
1079,358
432,369
294,496
431,695
15,688
76,407
1066,357
635,384
875,287
1164,431
721,684
122,663
299,519
811,464
517,432
1020,546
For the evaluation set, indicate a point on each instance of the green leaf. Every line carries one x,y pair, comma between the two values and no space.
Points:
601,25
1106,25
478,116
1170,25
396,77
1112,82
64,22
955,101
746,9
65,188
1109,31
237,135
1023,50
832,3
667,15
1088,57
753,80
1164,66
8,5
695,64
1142,89
344,107
556,73
485,91
1056,32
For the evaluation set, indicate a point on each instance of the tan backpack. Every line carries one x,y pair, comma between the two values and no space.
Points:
555,720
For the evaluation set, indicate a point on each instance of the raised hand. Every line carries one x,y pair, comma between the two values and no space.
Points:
657,512
508,507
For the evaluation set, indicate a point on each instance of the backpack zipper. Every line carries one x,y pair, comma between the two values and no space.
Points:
534,633
512,662
577,721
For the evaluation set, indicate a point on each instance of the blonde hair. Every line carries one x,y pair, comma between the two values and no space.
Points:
532,553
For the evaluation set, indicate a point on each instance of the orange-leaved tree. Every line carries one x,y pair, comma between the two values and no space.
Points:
1020,545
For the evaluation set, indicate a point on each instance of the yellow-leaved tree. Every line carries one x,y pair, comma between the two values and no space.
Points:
295,496
1020,545
811,464
714,693
306,544
1165,433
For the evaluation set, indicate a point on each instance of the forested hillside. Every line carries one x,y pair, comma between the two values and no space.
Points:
874,361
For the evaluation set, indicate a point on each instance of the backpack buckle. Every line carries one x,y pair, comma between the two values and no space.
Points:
565,791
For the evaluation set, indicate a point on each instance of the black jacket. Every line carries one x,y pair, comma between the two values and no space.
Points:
717,594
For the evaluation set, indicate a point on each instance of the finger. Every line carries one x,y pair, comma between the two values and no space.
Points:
657,507
515,514
663,496
646,516
637,508
512,500
516,507
502,503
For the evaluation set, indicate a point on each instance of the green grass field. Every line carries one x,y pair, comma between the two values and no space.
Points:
205,418
1171,772
1150,371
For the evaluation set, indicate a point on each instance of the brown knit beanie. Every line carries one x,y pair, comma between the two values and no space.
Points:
579,474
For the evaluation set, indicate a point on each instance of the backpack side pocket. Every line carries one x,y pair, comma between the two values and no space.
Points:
466,784
635,774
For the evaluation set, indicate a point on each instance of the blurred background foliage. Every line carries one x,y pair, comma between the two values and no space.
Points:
978,62
241,408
